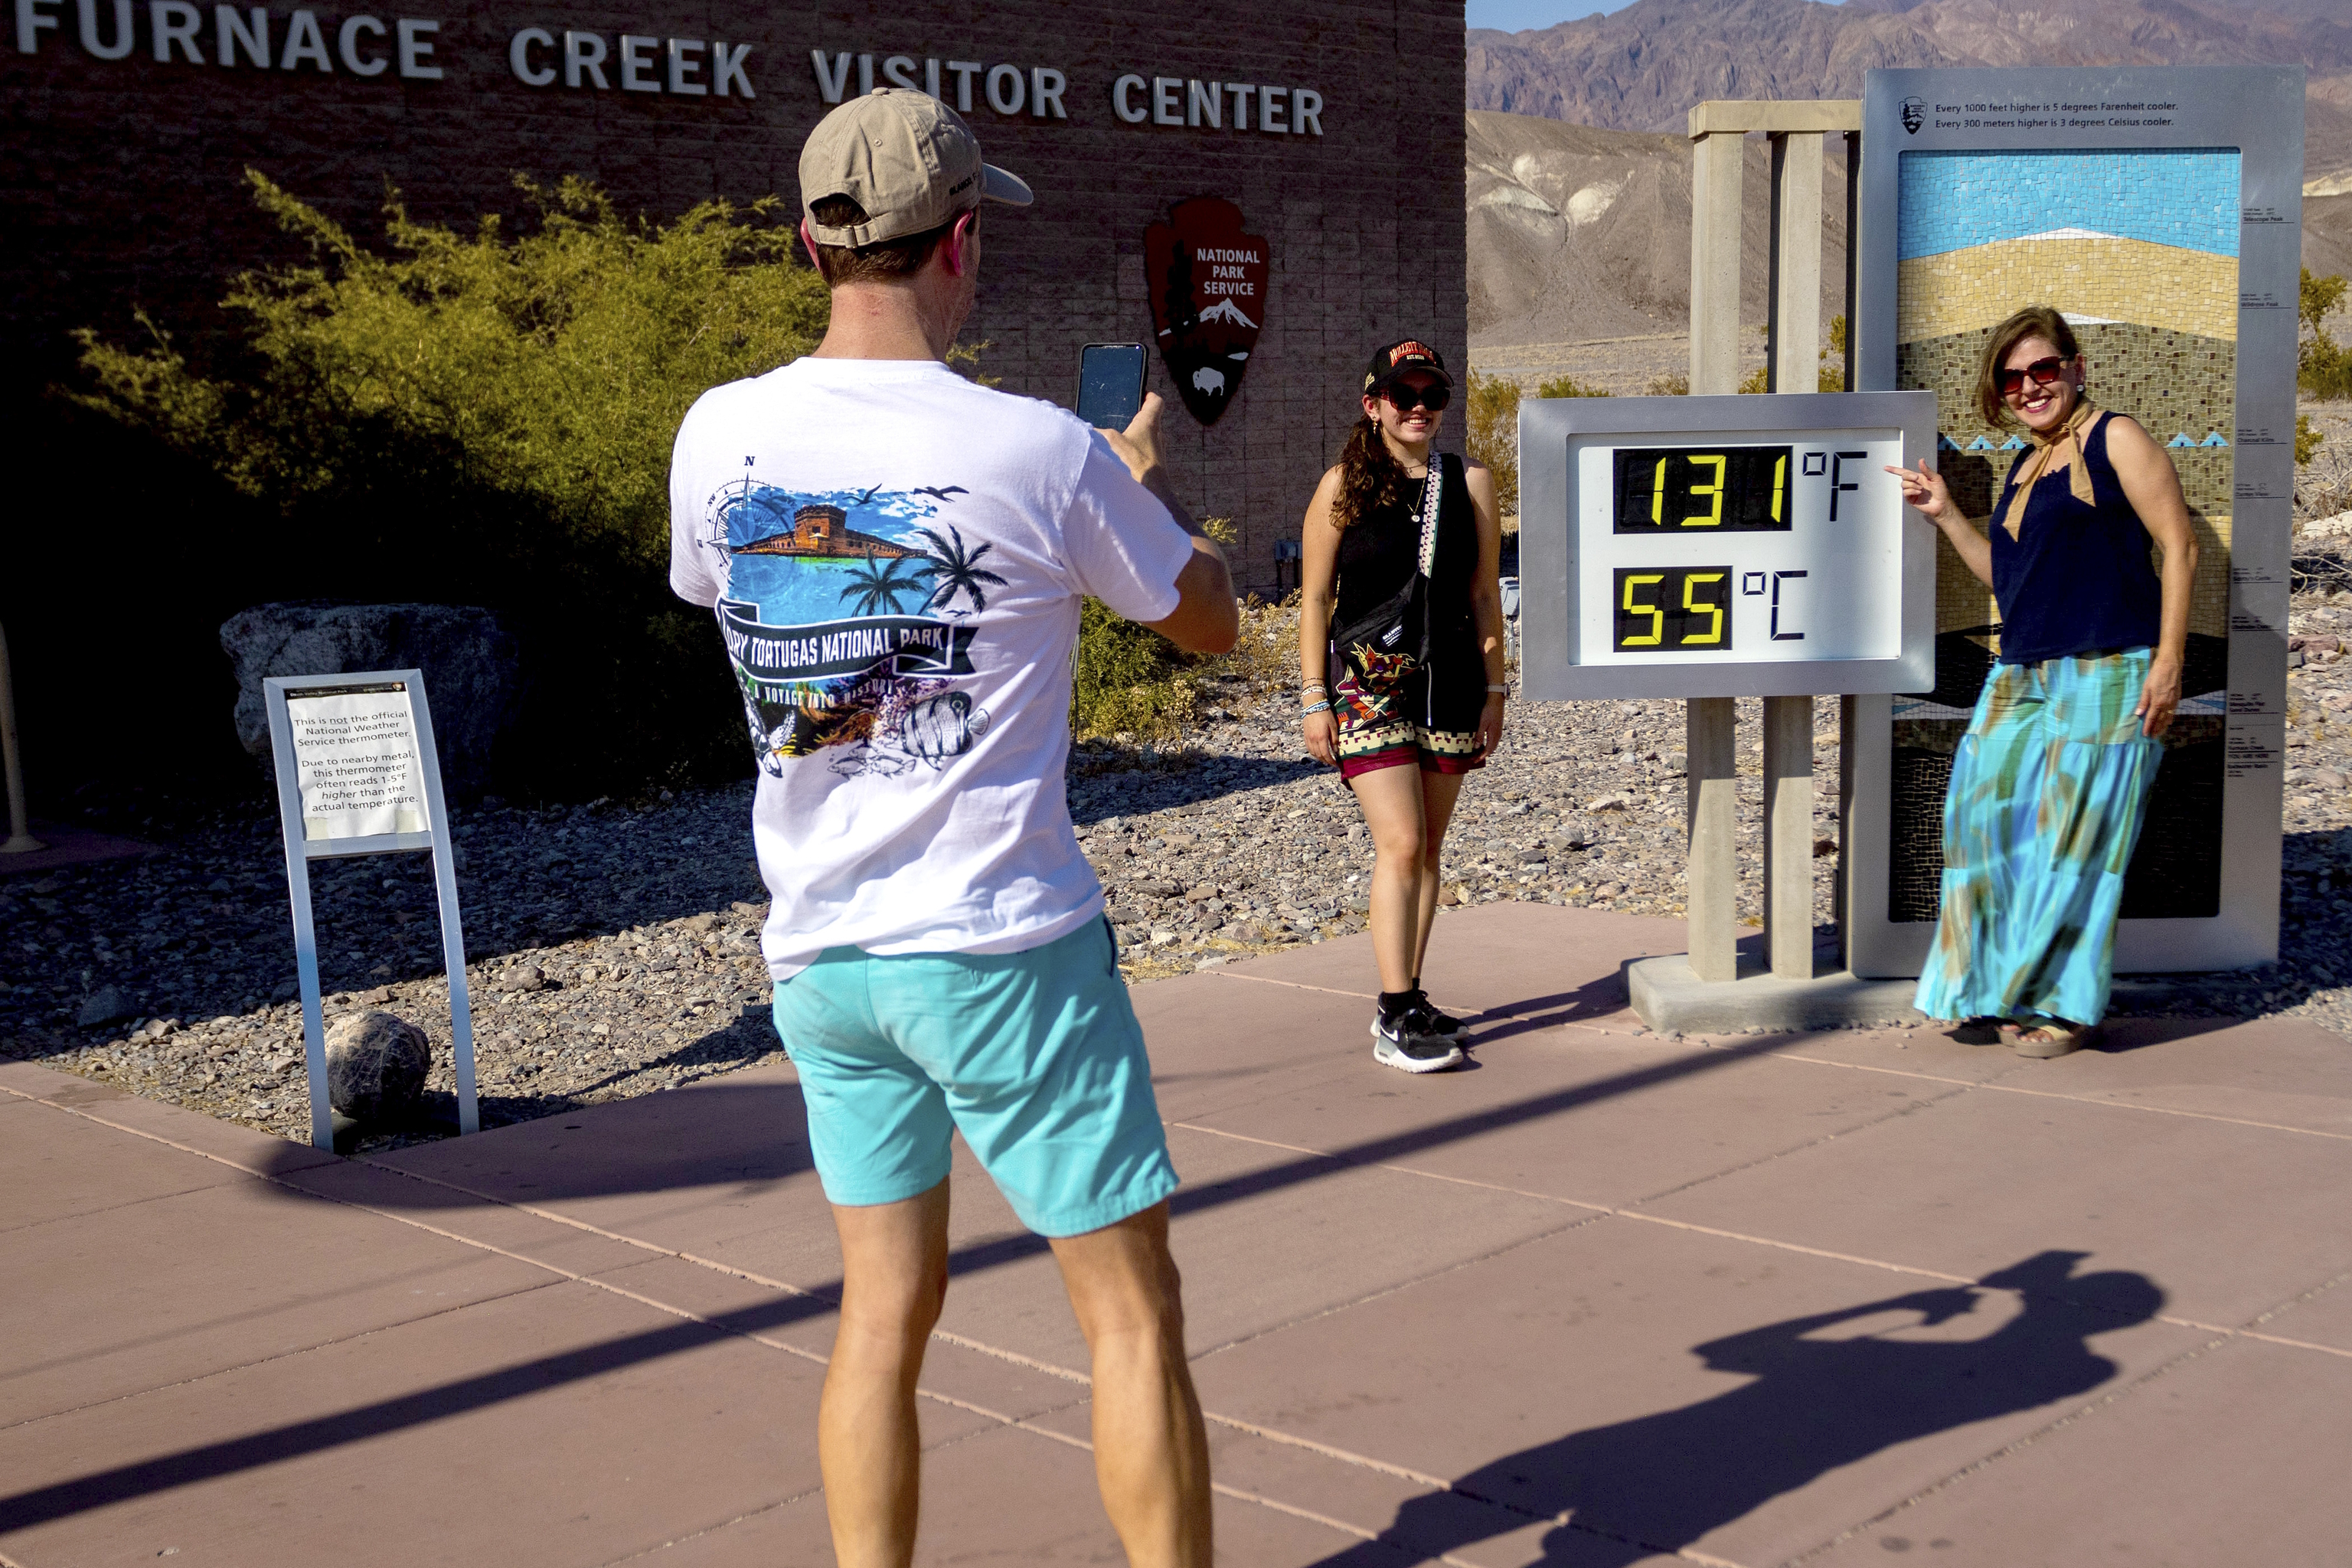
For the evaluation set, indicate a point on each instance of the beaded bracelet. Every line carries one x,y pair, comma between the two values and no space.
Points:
1324,707
1306,686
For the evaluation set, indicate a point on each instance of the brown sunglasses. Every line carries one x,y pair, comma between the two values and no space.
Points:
2044,371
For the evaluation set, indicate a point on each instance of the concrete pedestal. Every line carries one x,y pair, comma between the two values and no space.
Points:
1673,1001
1670,999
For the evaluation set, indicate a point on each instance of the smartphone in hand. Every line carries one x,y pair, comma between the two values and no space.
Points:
1111,383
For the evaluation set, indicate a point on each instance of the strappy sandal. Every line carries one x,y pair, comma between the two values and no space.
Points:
2049,1039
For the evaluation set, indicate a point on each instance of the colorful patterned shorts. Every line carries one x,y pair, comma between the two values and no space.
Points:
1382,724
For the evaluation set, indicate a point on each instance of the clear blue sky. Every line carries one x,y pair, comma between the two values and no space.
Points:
1519,15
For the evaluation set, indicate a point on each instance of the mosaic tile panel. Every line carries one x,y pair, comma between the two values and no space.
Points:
2186,197
2175,872
2093,279
2139,251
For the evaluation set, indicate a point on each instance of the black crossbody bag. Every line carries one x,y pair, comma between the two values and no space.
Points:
1392,638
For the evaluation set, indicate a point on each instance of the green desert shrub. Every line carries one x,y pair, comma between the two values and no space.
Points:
2322,366
1492,437
549,368
1569,386
1130,682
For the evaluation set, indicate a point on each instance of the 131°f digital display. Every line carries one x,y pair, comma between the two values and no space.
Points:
1673,609
1729,490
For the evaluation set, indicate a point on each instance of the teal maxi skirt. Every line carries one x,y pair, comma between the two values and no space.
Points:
2049,788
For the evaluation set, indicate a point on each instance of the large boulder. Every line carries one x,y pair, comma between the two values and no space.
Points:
376,1064
470,665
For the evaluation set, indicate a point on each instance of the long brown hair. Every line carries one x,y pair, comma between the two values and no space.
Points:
1369,476
2033,321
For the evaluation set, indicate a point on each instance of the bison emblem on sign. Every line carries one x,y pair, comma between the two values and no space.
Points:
1208,299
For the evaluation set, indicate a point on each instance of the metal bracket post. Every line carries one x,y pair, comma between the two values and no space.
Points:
20,833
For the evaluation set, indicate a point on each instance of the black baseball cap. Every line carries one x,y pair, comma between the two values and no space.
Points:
1394,359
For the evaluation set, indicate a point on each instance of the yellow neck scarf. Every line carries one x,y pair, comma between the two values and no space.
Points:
2047,451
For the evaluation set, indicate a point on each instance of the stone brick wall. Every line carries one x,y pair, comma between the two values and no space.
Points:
123,176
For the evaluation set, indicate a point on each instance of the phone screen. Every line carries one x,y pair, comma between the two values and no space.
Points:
1111,383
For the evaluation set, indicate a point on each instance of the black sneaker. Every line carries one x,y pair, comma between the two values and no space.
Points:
1422,1018
1395,1045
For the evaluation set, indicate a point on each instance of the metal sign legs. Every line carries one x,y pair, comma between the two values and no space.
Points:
301,848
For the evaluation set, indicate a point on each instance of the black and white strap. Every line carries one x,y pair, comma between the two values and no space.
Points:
1432,494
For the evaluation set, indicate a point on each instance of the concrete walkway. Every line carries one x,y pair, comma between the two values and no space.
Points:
1602,1301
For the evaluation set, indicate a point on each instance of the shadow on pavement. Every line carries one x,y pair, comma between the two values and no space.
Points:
746,1134
1659,1483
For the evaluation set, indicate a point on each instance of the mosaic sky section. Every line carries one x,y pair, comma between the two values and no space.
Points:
1951,201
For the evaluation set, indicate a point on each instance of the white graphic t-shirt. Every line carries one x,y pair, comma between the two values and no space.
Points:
896,557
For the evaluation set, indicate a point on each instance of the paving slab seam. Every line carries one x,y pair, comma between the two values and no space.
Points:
690,1535
1436,1483
298,1350
1610,1211
79,1215
1468,1013
153,1137
730,1270
1866,1125
1397,1288
2018,1445
1605,1211
928,1449
2006,1087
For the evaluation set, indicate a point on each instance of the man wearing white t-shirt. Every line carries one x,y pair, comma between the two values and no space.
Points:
895,556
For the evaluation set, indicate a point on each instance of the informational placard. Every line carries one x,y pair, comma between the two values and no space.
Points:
356,760
357,775
1722,546
2159,211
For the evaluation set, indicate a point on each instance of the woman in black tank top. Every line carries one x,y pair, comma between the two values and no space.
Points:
1400,664
2050,785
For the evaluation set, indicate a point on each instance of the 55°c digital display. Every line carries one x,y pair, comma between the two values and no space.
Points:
1676,489
1673,609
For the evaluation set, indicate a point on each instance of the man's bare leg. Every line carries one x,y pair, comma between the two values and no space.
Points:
893,1279
1151,1451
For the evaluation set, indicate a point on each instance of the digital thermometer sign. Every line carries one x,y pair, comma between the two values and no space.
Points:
1724,546
1737,489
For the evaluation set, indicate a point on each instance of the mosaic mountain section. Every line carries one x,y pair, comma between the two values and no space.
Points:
2139,250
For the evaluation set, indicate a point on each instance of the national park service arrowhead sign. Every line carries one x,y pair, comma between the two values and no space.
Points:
1208,299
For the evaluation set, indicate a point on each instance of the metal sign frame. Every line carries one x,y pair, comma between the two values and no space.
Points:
1548,552
302,850
2258,112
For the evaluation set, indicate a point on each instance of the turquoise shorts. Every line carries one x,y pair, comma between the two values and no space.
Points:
1035,1058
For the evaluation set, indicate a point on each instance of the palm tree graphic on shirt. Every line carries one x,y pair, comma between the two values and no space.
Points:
877,584
955,569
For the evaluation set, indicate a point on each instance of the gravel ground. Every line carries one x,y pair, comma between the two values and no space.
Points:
621,940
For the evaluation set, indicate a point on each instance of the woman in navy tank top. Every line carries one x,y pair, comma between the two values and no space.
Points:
2049,783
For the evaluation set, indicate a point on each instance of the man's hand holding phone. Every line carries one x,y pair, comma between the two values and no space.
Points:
1139,444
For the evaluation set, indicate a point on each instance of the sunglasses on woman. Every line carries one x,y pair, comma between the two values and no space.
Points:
2044,372
1405,399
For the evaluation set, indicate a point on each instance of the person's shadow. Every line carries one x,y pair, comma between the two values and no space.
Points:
1658,1483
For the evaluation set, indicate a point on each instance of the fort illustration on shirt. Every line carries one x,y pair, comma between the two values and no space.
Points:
847,616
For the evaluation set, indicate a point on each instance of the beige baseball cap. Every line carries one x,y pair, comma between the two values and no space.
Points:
905,157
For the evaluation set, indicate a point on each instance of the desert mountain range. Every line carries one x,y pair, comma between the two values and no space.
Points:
1579,168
